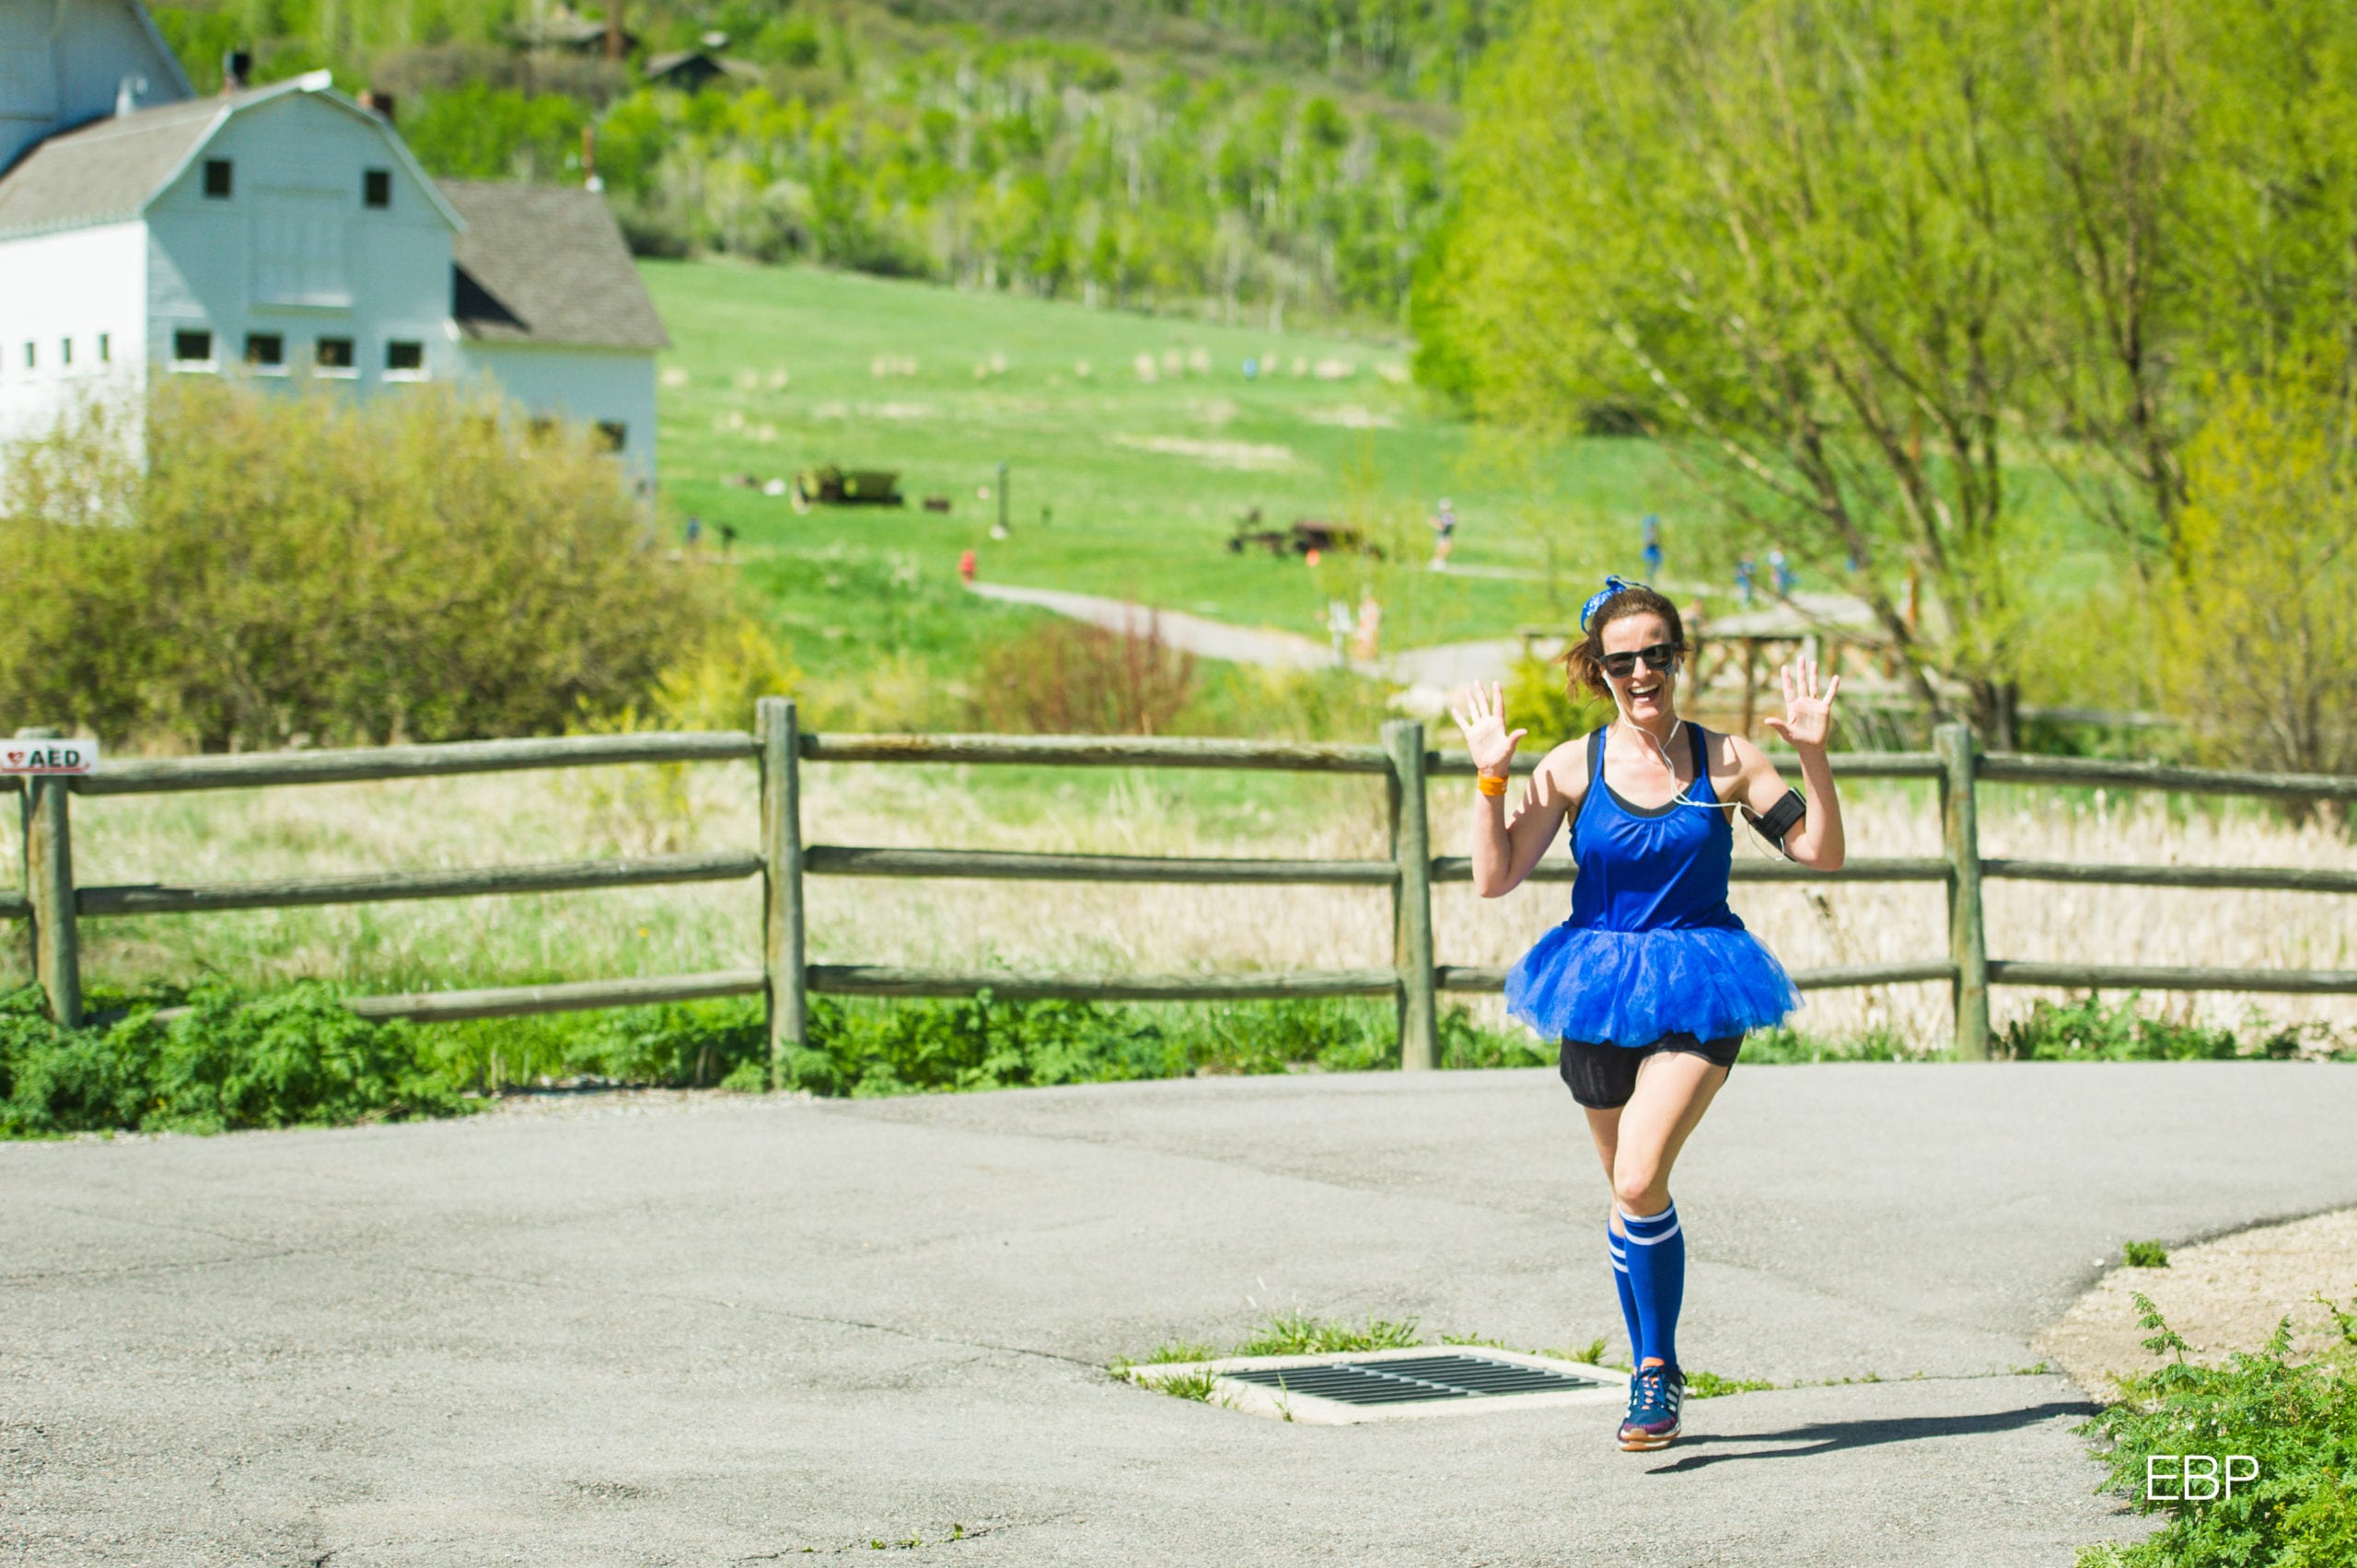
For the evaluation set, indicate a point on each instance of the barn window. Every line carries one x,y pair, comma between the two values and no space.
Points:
404,358
266,351
217,179
334,356
106,349
299,244
32,358
612,434
191,347
66,352
377,187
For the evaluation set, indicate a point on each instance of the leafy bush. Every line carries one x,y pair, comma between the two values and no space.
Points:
2087,1031
2263,566
1540,699
293,1058
1065,678
312,568
2298,1421
866,1049
1785,1044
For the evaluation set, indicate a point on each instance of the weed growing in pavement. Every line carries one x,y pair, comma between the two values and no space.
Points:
1171,1351
1197,1386
1296,1334
2297,1422
2145,1254
1711,1386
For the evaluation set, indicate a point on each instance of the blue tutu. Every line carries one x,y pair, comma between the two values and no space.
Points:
1632,987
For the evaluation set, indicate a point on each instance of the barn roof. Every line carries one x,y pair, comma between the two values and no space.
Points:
108,171
546,264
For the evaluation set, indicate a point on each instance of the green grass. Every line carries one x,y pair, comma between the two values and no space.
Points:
1297,1333
2144,1255
997,379
1125,521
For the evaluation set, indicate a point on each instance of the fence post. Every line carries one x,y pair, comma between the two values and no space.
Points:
1968,938
1412,896
49,889
779,736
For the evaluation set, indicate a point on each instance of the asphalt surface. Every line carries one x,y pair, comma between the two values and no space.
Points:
748,1331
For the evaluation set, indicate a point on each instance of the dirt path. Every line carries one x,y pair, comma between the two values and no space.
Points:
1441,669
2221,1296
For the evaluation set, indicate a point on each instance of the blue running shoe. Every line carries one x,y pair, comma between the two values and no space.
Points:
1654,1396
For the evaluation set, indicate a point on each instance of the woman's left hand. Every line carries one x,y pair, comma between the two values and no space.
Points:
1808,713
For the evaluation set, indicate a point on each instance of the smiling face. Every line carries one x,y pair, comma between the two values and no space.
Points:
1643,695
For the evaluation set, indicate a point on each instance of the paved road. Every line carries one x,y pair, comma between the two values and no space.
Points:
745,1330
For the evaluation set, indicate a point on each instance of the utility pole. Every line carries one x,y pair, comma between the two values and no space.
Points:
614,30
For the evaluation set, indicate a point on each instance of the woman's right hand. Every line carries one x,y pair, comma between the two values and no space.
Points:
1483,717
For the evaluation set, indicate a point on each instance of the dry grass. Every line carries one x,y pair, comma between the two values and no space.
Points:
326,830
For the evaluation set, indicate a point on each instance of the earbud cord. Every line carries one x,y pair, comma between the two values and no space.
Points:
1681,797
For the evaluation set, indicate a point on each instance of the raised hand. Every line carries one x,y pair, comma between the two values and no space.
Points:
1482,718
1808,713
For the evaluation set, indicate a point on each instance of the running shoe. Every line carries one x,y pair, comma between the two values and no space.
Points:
1654,1396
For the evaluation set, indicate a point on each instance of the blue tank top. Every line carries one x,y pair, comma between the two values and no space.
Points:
1640,869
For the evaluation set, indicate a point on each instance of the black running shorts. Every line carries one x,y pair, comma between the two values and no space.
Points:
1602,1077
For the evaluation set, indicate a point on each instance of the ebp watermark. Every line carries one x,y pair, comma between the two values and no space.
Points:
2196,1477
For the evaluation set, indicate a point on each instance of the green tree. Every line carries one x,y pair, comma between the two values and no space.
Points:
2258,646
418,567
1862,266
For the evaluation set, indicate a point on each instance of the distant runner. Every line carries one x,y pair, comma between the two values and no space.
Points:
1652,983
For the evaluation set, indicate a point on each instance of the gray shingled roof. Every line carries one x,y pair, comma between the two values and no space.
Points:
108,171
546,264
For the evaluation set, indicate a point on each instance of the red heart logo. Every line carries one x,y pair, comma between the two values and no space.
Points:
16,758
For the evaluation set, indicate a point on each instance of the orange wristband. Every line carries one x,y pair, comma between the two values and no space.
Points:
1488,785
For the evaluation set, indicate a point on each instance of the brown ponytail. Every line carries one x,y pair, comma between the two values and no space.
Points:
1584,660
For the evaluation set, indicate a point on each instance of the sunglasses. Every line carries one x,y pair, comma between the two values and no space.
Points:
1660,656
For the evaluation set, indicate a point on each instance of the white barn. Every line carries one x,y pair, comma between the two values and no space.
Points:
282,232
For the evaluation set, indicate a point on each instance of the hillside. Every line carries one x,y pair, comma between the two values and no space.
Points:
1252,159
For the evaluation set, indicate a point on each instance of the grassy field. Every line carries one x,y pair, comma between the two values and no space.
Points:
1133,445
1117,485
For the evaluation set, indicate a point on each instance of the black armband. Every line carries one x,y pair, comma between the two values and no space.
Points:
1778,820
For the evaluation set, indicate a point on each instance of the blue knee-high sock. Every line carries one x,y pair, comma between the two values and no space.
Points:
1628,1295
1657,1279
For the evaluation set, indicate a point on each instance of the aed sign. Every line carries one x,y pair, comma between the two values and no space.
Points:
2196,1477
49,756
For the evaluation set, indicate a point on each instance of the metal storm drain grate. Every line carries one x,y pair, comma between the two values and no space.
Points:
1415,1380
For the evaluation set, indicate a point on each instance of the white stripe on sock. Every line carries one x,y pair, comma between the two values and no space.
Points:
1654,1241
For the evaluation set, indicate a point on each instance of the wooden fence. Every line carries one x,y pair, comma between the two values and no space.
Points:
53,905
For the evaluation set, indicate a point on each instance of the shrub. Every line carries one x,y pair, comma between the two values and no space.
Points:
1538,699
1065,678
2086,1030
2298,1421
305,568
2262,567
293,1058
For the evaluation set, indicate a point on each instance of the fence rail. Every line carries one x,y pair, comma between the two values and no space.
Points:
52,905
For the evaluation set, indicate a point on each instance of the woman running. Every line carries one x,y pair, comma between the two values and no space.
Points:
1652,982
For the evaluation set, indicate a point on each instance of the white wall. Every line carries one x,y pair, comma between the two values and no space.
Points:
588,385
71,287
377,274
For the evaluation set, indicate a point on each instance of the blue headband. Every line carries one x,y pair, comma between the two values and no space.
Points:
1595,600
